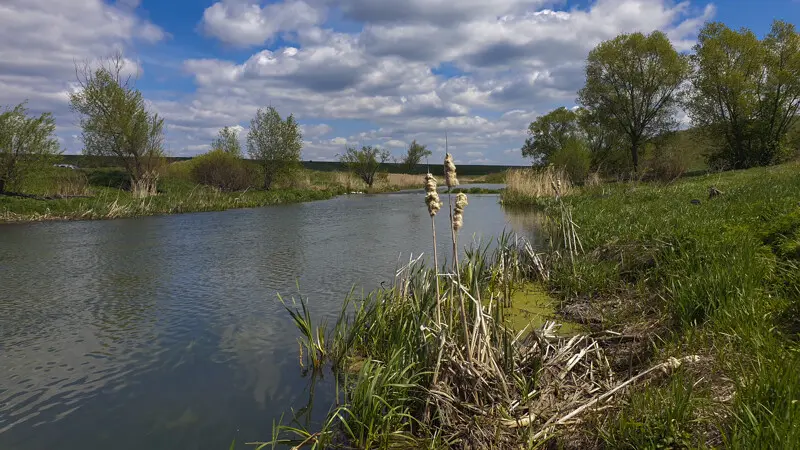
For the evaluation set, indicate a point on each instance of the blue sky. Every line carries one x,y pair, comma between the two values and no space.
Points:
381,72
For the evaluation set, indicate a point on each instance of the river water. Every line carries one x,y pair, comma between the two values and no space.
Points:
166,333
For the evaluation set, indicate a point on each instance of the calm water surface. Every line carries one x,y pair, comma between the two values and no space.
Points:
165,333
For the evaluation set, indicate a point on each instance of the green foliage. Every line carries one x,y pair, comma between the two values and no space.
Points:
365,162
632,84
223,170
720,277
274,142
414,155
116,122
658,418
574,157
746,93
228,142
550,133
27,144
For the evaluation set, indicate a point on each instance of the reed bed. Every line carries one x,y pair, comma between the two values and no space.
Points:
525,186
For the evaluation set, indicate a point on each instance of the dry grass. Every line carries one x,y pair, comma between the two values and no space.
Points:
525,185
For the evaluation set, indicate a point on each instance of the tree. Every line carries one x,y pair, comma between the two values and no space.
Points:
414,155
26,143
365,162
632,83
228,141
746,92
116,122
549,133
274,142
602,142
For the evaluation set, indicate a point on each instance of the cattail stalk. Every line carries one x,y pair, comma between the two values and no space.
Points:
434,205
451,180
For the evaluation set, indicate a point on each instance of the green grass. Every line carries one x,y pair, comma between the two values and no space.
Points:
102,198
718,278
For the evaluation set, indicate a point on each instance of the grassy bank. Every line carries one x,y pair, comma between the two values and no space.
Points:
680,272
691,303
101,193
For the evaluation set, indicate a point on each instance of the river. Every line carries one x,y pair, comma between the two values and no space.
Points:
165,332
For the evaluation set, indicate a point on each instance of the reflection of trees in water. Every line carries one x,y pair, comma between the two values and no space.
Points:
528,222
255,350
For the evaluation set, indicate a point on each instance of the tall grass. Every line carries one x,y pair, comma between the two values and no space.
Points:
528,186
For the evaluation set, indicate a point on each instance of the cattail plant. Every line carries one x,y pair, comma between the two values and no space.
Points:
456,221
434,205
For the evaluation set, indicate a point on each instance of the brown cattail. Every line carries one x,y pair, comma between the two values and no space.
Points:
450,171
458,212
432,196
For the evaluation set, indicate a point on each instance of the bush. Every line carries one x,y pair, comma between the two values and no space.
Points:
667,162
574,157
223,171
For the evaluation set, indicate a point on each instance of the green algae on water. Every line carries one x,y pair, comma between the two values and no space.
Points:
532,306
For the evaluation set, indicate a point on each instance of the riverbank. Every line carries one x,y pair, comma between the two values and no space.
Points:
671,280
89,194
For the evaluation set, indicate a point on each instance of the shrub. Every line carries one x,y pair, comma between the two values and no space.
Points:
667,162
574,157
223,171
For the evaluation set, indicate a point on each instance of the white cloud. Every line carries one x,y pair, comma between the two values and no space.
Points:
395,143
41,40
243,23
409,69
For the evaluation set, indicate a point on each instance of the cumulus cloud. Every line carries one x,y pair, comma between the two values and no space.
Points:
40,40
244,23
408,69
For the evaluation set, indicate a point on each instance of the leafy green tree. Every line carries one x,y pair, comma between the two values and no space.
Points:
632,83
414,155
606,146
549,133
228,141
746,92
574,157
365,162
27,143
116,123
275,143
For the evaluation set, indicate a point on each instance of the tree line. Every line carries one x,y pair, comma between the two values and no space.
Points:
741,93
116,122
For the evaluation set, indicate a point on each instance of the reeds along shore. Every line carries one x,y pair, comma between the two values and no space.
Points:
664,297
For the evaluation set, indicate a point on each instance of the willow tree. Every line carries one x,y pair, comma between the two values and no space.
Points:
275,143
632,84
364,163
414,155
227,140
116,122
746,92
27,143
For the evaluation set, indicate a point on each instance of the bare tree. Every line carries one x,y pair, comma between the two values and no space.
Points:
116,122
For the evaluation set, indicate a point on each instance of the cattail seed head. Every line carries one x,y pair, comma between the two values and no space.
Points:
431,195
458,211
450,171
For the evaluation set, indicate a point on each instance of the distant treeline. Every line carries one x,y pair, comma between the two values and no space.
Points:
322,166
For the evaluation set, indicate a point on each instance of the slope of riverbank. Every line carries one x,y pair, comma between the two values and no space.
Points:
671,281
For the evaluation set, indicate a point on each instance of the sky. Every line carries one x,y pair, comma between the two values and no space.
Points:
353,72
